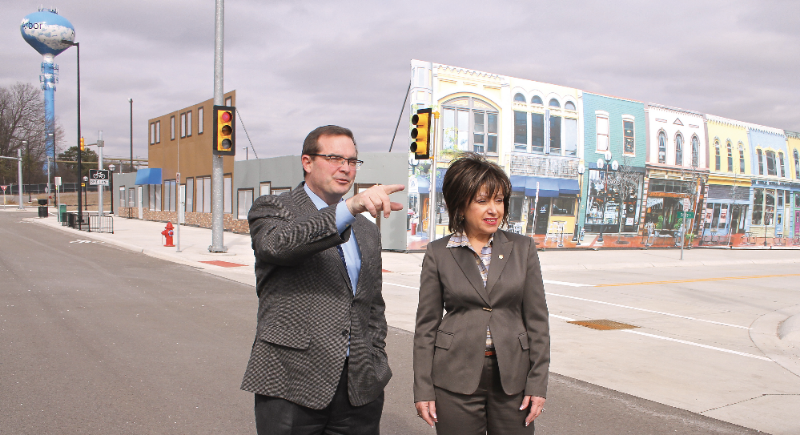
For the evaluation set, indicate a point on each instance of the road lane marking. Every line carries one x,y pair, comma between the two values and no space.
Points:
704,346
569,284
648,311
678,281
401,285
690,343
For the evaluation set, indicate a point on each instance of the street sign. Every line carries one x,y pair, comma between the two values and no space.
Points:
686,204
98,177
689,214
4,188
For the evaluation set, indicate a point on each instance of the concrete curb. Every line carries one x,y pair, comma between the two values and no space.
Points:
764,334
618,266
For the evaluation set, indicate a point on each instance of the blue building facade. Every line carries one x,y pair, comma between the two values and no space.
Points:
618,126
772,186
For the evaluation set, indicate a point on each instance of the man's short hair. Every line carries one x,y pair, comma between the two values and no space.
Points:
465,178
311,143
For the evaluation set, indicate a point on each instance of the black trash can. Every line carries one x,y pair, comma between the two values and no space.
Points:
43,211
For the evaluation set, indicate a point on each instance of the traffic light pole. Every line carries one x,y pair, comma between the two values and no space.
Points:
217,197
432,191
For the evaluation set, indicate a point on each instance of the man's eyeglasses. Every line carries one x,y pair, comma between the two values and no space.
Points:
339,160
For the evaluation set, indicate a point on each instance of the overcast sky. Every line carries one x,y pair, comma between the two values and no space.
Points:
296,65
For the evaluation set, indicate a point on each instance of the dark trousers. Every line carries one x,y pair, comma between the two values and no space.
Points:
489,410
275,416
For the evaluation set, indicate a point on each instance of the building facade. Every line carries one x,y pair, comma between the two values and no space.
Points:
677,168
729,181
772,184
793,144
611,194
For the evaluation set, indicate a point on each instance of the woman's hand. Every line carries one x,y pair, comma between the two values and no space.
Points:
427,411
536,404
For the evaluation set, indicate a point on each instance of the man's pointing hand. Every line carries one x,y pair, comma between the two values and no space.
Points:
375,200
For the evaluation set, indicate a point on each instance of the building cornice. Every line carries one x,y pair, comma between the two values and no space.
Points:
674,109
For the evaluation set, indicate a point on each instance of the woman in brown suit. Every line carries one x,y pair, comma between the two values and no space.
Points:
483,367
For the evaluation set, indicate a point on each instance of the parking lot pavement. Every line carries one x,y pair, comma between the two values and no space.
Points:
706,337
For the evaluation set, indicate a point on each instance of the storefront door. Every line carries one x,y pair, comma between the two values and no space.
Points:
542,215
797,223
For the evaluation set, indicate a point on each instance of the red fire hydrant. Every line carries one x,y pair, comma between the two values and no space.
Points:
168,234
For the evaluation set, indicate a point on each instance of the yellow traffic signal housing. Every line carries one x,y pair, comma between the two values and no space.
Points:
421,134
83,146
224,131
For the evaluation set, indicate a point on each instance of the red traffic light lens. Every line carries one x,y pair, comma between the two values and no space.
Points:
226,116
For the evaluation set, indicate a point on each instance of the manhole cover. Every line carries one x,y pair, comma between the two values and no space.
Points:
602,324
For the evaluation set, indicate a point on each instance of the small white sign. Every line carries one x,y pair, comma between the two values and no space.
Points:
686,204
57,181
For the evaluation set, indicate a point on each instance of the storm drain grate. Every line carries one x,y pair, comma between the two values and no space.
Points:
602,324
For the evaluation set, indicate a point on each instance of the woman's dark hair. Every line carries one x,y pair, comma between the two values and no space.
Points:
465,178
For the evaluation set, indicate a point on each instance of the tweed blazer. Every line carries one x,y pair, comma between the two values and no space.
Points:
449,350
306,307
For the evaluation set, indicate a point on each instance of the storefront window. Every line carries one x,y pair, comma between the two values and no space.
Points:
564,206
797,199
769,206
515,207
758,206
608,212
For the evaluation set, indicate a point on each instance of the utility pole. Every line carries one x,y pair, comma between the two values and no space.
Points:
130,100
100,187
217,198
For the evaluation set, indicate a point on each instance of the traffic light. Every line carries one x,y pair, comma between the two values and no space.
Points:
421,134
83,146
224,131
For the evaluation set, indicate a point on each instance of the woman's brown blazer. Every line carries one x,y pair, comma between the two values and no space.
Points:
449,350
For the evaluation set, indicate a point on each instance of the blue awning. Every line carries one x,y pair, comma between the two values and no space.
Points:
518,183
148,176
568,187
548,187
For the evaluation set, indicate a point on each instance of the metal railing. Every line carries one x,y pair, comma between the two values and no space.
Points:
101,223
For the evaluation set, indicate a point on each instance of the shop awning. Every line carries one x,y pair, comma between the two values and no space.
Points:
548,187
148,176
569,187
518,183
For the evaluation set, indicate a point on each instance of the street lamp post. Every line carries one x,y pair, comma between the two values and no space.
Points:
85,192
601,164
80,169
47,156
28,156
576,237
130,100
111,187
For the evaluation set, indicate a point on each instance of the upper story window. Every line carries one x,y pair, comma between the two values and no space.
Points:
229,101
183,125
470,124
662,147
200,113
520,130
555,135
602,133
152,133
760,162
730,156
695,151
627,132
741,158
537,100
772,168
797,166
679,149
780,162
519,98
537,133
554,103
569,105
189,123
171,128
717,162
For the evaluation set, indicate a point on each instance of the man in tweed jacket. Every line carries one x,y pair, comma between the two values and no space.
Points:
318,363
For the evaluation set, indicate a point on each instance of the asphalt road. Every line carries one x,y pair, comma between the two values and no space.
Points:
96,339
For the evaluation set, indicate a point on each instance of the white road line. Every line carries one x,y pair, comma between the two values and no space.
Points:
648,311
698,345
569,284
401,285
690,343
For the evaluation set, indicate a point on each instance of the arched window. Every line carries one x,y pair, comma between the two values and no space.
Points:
772,168
730,157
536,100
741,158
780,162
554,103
695,151
760,161
569,105
796,165
519,98
469,124
679,149
717,163
662,147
